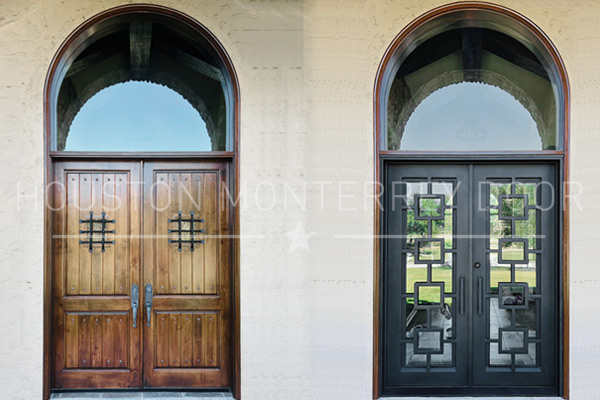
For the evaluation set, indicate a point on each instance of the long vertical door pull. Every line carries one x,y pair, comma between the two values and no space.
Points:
148,303
479,295
135,302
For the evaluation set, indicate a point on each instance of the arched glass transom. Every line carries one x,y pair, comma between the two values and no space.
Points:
472,85
143,83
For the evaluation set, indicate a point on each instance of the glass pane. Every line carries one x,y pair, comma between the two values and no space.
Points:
472,89
496,358
412,359
429,294
429,251
413,189
138,116
142,86
445,188
512,250
527,318
444,359
529,358
528,273
442,273
430,206
512,207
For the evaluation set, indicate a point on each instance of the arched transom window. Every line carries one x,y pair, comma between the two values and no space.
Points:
472,85
142,82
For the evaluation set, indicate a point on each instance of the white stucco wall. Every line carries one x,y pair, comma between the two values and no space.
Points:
306,74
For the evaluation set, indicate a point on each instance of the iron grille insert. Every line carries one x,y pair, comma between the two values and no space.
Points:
186,235
93,231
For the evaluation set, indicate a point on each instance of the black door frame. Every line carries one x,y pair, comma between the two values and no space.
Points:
558,162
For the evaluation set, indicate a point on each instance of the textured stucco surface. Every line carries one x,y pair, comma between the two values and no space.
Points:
306,72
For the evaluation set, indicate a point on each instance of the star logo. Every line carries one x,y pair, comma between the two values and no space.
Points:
299,238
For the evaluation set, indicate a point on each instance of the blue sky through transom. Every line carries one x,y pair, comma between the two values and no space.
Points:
138,116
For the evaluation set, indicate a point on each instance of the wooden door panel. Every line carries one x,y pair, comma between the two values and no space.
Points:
187,339
97,340
180,271
95,344
97,272
187,343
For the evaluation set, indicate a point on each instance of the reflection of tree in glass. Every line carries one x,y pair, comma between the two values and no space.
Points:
430,207
523,228
417,228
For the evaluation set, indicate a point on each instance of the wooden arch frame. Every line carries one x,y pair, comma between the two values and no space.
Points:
410,37
54,76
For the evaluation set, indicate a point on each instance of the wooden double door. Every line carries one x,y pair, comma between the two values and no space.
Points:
141,275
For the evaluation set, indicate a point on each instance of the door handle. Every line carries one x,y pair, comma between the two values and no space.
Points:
479,295
135,302
461,295
148,303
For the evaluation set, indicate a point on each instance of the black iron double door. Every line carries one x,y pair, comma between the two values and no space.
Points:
470,279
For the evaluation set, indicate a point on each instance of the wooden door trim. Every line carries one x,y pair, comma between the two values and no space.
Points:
51,87
382,156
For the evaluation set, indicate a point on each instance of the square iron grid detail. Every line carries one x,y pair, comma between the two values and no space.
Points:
518,302
91,231
524,349
180,231
439,260
417,206
503,197
435,306
422,348
502,260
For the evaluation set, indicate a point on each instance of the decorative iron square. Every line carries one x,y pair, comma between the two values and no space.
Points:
510,200
96,231
510,260
421,245
427,303
513,295
513,340
426,208
185,231
428,341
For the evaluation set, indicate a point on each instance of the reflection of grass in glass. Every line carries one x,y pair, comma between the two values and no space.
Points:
442,274
429,294
429,251
513,253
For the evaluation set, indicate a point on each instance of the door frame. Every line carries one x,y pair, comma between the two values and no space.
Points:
472,162
51,88
560,157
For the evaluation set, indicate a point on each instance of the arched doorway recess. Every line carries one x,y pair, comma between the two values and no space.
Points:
471,135
141,124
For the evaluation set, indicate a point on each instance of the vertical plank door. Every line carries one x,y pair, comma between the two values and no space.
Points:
95,344
187,262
